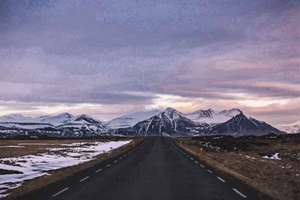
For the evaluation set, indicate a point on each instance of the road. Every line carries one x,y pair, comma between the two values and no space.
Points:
156,169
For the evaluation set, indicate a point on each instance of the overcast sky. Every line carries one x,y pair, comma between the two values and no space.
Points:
110,57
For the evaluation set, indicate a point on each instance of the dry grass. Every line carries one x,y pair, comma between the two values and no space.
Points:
8,148
277,178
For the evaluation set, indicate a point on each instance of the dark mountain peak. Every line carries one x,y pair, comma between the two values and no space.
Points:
169,121
204,113
87,118
231,112
64,115
169,110
170,114
240,116
242,125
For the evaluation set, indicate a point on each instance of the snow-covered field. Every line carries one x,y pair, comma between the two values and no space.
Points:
31,166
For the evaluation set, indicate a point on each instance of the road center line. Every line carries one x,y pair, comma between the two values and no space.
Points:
60,192
98,170
221,179
239,193
84,179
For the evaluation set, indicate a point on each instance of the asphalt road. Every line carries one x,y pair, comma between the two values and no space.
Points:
156,169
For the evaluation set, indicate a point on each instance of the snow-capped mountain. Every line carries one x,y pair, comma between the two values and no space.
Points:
130,120
56,119
18,121
291,128
84,122
208,122
212,117
63,122
46,119
167,122
86,119
241,125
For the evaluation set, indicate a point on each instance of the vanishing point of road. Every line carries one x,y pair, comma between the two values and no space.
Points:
156,169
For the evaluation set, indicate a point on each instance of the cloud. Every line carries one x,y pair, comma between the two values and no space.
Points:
137,54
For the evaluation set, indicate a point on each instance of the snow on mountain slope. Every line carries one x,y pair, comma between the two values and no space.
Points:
130,120
211,116
86,119
85,122
60,121
174,123
47,119
291,128
27,126
155,122
169,121
56,119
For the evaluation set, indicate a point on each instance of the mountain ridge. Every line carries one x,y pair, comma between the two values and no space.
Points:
169,122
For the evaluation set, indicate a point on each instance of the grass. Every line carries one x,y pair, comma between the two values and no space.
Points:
16,148
243,159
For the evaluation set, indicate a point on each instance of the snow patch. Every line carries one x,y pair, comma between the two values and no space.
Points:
32,166
273,157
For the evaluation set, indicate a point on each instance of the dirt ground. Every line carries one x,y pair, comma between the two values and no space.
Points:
253,160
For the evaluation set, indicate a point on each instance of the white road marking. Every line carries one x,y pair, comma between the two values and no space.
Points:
108,165
191,158
239,193
221,179
84,179
99,170
209,171
60,192
202,166
115,161
196,162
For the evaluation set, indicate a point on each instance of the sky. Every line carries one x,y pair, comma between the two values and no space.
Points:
110,57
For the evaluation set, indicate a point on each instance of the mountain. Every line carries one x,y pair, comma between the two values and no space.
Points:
208,122
167,122
86,119
56,119
130,120
240,125
211,116
18,121
291,128
25,125
84,122
62,124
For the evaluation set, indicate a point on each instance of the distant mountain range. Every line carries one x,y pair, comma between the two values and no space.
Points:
64,124
168,122
291,128
130,120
